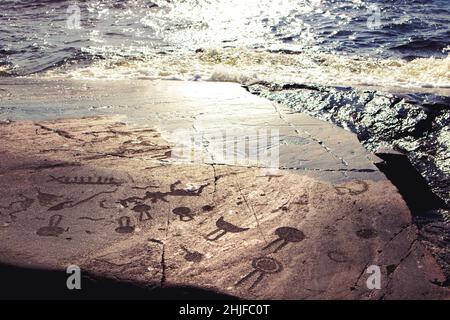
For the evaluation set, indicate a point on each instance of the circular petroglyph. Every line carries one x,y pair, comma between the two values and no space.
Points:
125,229
337,256
353,188
181,211
289,234
184,213
367,233
267,265
207,208
358,187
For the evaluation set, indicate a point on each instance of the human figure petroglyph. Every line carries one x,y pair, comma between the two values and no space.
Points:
143,209
223,227
154,196
149,195
263,266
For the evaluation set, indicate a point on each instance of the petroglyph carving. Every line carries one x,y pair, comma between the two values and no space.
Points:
353,188
142,209
192,256
285,235
102,205
223,227
263,266
184,213
47,199
72,204
208,208
91,219
337,256
124,225
144,188
17,206
191,190
86,180
283,208
53,229
154,196
367,233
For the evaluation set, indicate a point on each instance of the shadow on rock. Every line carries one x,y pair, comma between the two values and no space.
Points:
26,283
430,212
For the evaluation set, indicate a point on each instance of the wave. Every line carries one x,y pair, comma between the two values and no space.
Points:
308,41
245,65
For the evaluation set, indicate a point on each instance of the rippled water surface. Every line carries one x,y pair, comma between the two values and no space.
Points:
396,42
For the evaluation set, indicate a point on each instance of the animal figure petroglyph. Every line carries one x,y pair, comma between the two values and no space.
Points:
223,227
192,256
17,206
154,196
72,204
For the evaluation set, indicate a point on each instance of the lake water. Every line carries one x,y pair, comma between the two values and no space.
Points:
387,43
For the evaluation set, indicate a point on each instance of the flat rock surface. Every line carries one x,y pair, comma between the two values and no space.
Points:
117,187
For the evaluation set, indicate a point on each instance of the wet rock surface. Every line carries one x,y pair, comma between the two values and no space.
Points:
108,194
417,125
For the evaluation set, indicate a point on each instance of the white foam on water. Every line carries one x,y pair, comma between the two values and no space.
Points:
245,65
